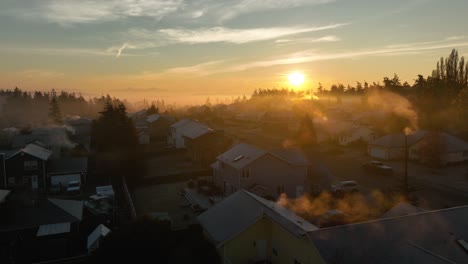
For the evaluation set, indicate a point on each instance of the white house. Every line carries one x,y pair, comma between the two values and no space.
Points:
356,133
266,173
185,128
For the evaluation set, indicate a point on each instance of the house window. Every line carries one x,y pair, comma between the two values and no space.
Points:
246,173
30,165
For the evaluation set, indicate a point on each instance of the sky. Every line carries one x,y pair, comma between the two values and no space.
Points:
187,50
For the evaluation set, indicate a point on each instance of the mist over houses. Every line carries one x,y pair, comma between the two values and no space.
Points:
258,182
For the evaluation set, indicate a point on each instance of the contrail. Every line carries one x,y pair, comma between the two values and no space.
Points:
124,46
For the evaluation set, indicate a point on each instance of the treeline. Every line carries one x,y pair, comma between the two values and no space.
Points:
23,108
279,92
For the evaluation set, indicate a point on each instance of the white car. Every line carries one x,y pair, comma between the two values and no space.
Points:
345,187
74,187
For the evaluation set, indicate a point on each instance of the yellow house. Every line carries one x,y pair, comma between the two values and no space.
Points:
249,229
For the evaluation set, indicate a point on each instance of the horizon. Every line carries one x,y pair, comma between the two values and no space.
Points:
184,52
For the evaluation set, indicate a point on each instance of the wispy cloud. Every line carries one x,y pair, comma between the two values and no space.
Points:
198,69
307,56
56,51
119,50
89,11
238,36
308,40
69,12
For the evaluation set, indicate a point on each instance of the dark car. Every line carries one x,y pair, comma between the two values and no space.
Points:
377,167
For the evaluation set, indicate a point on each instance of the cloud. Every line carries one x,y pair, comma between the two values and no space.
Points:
90,11
238,36
70,12
309,40
198,69
57,51
308,56
119,50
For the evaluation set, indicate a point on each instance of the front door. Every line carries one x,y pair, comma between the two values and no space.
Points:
34,183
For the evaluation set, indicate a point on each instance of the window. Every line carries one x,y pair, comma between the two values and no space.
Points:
246,173
30,165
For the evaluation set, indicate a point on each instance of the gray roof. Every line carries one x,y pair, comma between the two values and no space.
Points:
180,123
53,229
51,136
241,155
74,208
236,213
292,156
452,143
68,165
156,117
402,209
194,130
398,140
100,231
35,151
428,237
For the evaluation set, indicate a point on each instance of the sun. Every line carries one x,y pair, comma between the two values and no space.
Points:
296,78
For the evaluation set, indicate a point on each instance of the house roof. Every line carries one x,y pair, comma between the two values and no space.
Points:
402,209
292,156
194,130
100,231
398,140
427,237
68,165
452,143
53,229
74,208
155,117
43,212
34,150
51,136
241,155
180,123
242,209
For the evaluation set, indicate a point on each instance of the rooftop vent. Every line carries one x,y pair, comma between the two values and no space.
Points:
239,158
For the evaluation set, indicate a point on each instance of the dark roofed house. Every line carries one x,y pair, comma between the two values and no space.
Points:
431,237
158,125
26,168
266,173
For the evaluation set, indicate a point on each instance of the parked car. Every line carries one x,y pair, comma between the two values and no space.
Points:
343,187
74,187
378,167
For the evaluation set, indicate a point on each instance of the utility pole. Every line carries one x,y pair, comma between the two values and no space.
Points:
406,163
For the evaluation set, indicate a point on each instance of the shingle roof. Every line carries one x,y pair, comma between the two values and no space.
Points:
241,155
180,123
428,237
74,208
194,130
35,151
155,117
292,156
398,140
402,209
242,209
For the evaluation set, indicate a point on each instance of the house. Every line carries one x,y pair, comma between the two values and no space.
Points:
26,168
392,147
266,173
183,129
432,237
246,228
159,125
204,144
356,133
37,230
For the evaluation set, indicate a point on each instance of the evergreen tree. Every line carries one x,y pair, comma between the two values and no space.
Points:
55,115
152,110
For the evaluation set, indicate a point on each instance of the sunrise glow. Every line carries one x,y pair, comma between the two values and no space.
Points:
296,78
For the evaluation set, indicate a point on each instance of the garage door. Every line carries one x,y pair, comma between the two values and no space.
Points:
378,153
64,179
